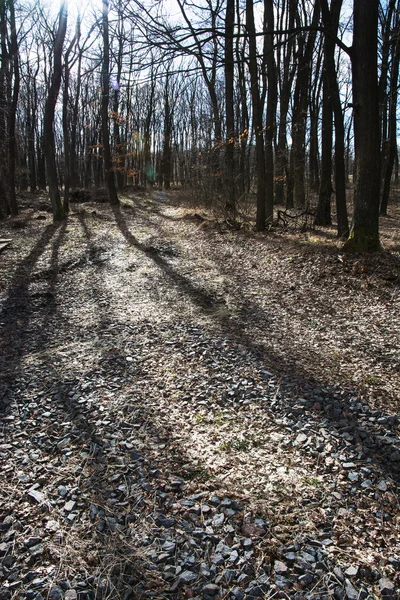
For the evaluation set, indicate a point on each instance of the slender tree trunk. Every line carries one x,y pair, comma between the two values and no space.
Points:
392,142
108,167
4,208
331,19
48,123
300,110
12,146
229,109
269,27
323,214
257,118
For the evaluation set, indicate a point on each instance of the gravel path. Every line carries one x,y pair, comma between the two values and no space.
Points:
177,422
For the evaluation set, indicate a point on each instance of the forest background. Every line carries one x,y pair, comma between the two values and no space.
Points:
244,103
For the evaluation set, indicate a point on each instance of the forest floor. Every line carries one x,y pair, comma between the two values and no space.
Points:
188,411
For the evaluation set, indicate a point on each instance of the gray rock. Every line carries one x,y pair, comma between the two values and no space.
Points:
218,520
210,589
351,591
56,593
69,506
237,593
36,550
351,572
163,521
169,547
386,587
247,543
218,559
233,557
32,541
280,567
70,595
187,577
306,579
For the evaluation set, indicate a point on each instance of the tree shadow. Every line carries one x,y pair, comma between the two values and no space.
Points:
381,447
21,307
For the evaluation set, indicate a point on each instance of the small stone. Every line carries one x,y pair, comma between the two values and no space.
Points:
307,557
32,541
300,439
37,496
187,577
169,547
218,520
353,476
71,595
280,567
306,579
218,560
247,543
69,506
395,562
351,591
386,587
395,456
382,486
62,490
214,501
366,484
237,593
163,521
210,589
56,593
233,557
36,550
351,572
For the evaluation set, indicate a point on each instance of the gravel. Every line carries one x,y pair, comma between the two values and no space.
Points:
147,455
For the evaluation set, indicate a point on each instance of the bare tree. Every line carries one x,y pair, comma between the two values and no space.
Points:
105,97
48,122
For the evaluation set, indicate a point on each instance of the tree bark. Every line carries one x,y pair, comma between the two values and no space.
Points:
270,124
257,118
48,123
364,235
12,147
229,110
108,167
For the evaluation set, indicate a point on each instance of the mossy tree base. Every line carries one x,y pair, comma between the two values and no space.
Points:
362,241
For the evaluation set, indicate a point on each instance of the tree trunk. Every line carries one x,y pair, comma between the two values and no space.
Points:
12,147
392,140
257,117
300,110
323,215
229,110
271,108
364,235
48,123
108,167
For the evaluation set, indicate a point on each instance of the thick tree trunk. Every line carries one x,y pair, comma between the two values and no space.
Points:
365,229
